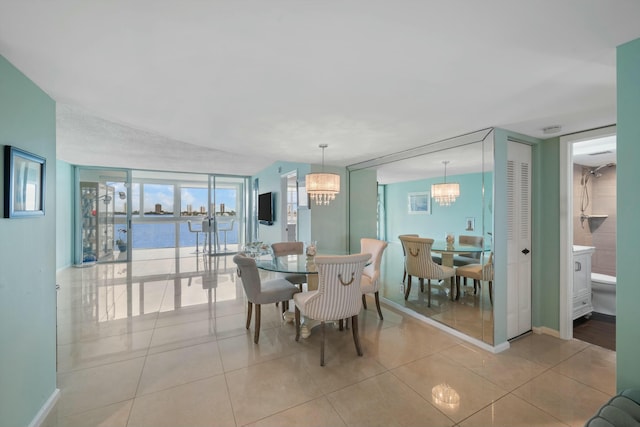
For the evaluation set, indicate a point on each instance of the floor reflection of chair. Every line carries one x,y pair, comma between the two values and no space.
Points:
338,295
418,263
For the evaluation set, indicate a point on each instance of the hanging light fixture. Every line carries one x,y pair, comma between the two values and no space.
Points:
323,187
445,193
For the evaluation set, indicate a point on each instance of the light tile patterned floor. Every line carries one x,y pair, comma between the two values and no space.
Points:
163,343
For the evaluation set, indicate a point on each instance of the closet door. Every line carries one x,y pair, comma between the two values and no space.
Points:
518,239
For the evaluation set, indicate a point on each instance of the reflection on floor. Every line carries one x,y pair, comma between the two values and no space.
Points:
162,342
472,314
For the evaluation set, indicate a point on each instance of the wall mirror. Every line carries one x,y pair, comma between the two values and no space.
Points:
469,163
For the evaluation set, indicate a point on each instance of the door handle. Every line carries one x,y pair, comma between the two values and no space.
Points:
525,251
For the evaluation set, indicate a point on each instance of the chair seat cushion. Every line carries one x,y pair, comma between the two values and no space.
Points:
472,271
301,299
296,278
275,290
460,260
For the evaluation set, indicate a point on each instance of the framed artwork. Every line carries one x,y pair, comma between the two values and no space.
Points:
420,203
24,183
470,224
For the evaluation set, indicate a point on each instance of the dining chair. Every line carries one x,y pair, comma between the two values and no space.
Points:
472,257
404,274
479,273
370,282
290,248
338,295
259,292
418,263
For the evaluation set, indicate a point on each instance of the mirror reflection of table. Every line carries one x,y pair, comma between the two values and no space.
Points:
448,250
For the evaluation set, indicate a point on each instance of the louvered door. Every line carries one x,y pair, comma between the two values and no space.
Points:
518,239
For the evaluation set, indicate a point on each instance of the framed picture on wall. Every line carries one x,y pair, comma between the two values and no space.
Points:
470,224
420,203
24,179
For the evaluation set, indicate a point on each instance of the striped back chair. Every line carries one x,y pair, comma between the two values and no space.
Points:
418,263
338,295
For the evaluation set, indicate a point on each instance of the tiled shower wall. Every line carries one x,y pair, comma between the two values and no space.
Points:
600,233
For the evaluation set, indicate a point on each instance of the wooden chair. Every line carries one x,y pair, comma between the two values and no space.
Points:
259,292
418,263
370,282
338,295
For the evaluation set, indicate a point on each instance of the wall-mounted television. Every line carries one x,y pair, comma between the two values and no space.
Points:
265,209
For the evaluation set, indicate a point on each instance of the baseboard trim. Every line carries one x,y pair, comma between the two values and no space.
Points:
540,330
483,345
46,409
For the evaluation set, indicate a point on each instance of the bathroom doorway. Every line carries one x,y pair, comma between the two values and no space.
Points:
588,225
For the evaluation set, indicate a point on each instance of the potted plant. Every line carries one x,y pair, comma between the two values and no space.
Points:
121,243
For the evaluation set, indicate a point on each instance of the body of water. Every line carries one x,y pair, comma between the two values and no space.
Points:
164,235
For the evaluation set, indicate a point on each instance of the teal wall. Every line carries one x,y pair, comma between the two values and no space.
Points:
442,218
313,221
269,180
545,251
363,206
28,257
628,227
64,214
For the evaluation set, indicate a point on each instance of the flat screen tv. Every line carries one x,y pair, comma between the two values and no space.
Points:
265,208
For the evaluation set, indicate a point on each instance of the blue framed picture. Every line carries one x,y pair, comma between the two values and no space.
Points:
420,203
24,183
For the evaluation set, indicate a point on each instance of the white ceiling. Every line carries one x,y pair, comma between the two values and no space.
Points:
231,86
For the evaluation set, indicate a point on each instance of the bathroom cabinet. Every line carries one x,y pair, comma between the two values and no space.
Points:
582,305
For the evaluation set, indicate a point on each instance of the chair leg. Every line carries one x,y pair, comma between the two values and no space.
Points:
429,291
356,335
406,292
297,317
457,287
377,296
249,309
340,324
322,344
421,280
256,336
364,301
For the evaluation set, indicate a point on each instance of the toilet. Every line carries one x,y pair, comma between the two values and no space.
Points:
603,288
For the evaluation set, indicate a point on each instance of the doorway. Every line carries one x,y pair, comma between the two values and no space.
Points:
587,223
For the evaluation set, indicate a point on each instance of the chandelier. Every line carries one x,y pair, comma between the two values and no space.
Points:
445,193
322,187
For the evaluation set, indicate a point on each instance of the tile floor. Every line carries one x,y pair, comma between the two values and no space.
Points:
162,342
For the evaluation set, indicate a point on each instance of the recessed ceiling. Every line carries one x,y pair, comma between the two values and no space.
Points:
231,86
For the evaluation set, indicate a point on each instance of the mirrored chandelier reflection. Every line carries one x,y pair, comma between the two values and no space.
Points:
445,193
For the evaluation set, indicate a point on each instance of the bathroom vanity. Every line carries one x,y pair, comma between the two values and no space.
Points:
582,281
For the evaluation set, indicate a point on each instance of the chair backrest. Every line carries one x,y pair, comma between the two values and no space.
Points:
189,225
409,235
248,272
287,248
338,295
477,241
376,248
417,258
